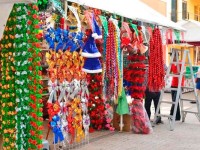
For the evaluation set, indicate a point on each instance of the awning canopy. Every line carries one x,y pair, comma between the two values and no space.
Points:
132,9
18,1
193,30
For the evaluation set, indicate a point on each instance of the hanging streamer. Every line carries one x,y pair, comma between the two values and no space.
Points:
135,29
74,11
126,27
178,36
169,36
57,5
105,24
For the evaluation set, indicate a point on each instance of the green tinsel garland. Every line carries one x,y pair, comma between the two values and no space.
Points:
36,119
21,77
8,88
21,80
42,4
0,93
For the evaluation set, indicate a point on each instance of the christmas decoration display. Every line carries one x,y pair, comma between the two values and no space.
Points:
67,85
156,66
81,60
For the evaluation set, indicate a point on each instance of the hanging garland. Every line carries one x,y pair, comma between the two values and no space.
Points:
0,92
105,35
8,89
156,63
96,103
134,74
111,61
22,64
36,120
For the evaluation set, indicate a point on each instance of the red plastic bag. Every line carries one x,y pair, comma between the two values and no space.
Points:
140,120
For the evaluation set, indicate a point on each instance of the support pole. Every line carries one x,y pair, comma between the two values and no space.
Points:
121,116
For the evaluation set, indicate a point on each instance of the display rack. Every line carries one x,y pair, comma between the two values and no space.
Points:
45,94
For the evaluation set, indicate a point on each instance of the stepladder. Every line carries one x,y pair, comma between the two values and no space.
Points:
178,99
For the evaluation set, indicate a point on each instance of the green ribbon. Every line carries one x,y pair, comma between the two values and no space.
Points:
178,35
134,28
105,24
122,107
58,6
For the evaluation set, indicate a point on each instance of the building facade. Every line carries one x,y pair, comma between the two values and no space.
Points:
158,5
183,10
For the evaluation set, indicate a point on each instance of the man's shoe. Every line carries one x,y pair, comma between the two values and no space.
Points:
158,120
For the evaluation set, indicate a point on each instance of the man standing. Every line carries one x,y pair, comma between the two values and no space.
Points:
152,95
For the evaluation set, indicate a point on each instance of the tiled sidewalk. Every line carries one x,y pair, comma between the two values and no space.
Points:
186,136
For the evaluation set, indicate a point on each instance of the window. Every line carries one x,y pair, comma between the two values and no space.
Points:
197,13
174,10
184,10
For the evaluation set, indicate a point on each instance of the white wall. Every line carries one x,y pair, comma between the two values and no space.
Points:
169,8
5,12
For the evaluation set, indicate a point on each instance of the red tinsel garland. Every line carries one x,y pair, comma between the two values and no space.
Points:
156,64
135,75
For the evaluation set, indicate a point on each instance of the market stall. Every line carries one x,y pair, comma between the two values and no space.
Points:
79,69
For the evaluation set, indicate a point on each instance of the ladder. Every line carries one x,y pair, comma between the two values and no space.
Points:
186,54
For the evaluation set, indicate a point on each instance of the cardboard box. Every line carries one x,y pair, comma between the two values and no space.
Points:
126,122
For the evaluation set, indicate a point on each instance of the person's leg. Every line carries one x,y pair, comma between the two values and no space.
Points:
197,89
173,94
156,100
178,115
147,104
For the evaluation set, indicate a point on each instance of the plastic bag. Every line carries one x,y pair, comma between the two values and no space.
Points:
140,120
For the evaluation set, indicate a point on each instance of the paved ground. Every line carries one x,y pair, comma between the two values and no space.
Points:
186,136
